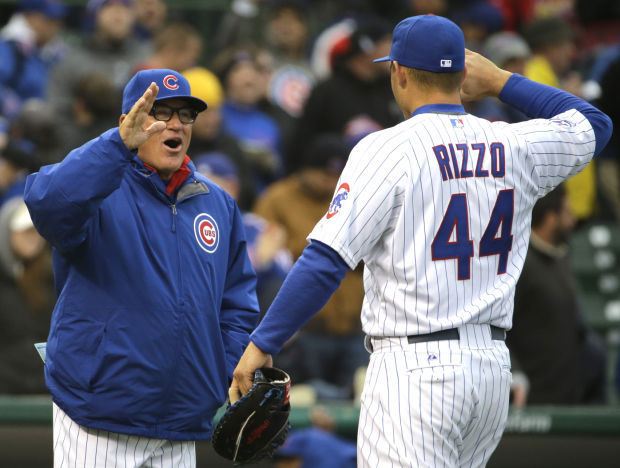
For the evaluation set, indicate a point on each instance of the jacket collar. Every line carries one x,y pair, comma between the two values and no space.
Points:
184,175
178,178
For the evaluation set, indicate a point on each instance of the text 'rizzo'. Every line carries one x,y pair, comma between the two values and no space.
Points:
454,160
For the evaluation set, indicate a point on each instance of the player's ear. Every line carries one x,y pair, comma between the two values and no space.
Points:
401,75
121,118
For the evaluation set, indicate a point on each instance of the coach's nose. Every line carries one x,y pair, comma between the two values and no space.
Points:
175,122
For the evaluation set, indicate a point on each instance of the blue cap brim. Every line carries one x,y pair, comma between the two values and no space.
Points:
195,102
383,59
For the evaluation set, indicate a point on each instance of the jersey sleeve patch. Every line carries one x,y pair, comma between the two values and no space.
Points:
342,193
562,123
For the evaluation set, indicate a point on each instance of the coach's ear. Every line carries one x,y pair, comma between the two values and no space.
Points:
121,118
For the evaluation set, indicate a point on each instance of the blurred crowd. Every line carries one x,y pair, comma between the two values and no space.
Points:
291,88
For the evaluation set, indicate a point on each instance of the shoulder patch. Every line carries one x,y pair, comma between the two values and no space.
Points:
562,122
341,195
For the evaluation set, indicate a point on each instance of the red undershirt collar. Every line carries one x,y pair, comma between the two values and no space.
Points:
178,177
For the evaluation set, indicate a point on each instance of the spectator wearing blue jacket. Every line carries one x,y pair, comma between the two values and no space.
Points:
156,292
243,78
23,54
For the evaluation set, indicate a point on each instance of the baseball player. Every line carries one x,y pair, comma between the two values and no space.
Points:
438,208
156,293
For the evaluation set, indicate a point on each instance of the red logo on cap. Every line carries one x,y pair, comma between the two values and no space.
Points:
170,82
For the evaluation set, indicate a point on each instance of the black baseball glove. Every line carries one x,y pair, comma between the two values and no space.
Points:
256,424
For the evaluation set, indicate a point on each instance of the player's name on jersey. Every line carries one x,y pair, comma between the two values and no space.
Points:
462,160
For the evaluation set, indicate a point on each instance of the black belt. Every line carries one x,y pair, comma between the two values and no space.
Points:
497,333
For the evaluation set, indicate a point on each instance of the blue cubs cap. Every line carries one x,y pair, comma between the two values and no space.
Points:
428,42
171,85
217,164
317,447
50,8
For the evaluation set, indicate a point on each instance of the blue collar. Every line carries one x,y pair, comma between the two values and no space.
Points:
440,109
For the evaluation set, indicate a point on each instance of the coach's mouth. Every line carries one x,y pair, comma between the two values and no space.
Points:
174,144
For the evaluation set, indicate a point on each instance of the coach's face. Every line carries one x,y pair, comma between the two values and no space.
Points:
166,150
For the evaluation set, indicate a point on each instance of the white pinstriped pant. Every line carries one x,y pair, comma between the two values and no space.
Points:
434,404
79,446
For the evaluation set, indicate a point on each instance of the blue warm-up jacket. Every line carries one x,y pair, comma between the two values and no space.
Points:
156,293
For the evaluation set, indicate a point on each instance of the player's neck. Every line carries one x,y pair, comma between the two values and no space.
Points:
422,99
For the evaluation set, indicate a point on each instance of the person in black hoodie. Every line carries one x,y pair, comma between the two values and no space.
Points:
550,342
356,99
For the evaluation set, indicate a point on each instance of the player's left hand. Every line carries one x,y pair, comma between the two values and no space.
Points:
243,376
482,77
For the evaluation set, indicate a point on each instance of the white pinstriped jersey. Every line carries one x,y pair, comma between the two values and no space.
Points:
439,209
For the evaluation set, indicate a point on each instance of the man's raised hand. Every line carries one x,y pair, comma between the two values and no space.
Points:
482,77
132,125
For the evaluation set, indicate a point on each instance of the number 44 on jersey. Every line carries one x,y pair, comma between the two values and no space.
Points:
496,240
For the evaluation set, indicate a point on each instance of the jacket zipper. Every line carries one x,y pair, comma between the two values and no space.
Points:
174,217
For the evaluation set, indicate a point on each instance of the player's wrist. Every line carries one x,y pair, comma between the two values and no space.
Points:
499,82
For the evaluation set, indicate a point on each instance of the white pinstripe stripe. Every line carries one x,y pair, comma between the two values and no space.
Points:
63,444
80,448
54,419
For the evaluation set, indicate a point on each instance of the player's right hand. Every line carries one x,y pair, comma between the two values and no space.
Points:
243,376
482,77
133,126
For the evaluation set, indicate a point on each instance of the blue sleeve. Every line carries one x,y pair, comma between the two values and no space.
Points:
307,288
63,198
541,101
239,312
7,59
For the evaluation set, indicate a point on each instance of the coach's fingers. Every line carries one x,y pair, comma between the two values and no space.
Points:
155,127
140,110
132,125
150,95
142,106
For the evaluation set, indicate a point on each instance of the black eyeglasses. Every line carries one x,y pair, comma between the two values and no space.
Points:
163,112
